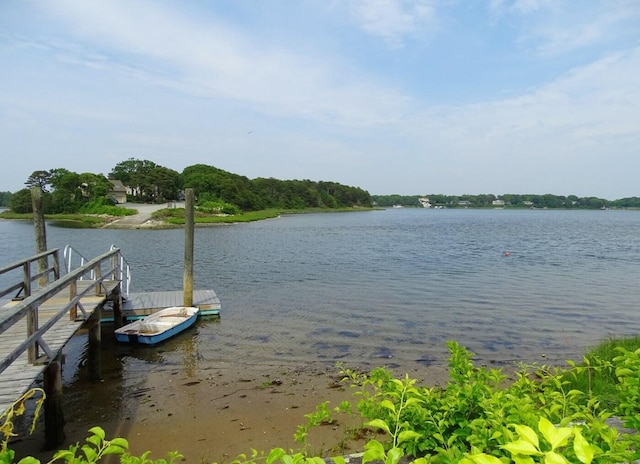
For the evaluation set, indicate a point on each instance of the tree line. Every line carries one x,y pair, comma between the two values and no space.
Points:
507,200
65,191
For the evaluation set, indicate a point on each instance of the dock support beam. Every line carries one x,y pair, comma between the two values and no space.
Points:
187,287
53,414
95,345
116,299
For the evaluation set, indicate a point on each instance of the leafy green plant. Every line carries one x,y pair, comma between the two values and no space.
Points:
476,414
93,450
553,448
627,369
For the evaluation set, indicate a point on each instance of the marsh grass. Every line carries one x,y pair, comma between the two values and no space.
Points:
596,374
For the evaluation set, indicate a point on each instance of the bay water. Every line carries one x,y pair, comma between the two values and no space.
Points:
378,288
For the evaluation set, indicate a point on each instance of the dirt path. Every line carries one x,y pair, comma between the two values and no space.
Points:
142,218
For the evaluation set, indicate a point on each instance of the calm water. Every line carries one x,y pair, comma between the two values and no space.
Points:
381,288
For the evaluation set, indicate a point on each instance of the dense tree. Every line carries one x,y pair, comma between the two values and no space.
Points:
21,201
5,198
151,182
165,182
136,174
39,179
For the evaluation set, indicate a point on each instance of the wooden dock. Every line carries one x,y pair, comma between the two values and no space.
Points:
18,377
36,323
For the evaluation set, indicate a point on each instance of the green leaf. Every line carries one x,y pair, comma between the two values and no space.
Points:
29,460
388,405
97,431
624,372
583,450
379,424
527,434
482,458
67,455
521,447
275,454
394,455
90,453
398,384
338,460
373,452
314,460
113,449
95,440
523,460
121,442
407,435
556,437
554,458
412,401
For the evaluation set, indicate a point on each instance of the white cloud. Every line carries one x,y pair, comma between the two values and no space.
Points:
210,59
555,27
395,20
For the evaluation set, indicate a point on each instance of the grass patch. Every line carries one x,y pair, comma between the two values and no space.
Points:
176,216
595,373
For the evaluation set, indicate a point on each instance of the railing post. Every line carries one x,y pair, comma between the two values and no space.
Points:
32,327
73,291
26,276
56,265
115,265
97,273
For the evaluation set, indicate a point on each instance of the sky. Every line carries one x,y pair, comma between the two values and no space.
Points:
405,97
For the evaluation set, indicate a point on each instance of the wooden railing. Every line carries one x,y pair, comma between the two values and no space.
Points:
28,307
29,275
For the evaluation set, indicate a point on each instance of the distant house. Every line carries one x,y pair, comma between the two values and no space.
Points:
118,192
424,202
497,202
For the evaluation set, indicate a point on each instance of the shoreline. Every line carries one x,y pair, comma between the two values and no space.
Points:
219,413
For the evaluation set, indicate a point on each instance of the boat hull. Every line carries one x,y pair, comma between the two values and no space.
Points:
158,327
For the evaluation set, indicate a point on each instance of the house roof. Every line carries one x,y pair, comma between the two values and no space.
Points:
118,186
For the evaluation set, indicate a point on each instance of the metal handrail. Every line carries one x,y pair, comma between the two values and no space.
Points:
68,259
124,272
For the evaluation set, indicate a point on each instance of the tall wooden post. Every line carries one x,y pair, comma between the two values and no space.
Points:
53,413
187,281
41,246
94,346
116,298
41,233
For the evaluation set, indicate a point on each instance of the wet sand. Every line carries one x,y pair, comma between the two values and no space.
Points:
227,410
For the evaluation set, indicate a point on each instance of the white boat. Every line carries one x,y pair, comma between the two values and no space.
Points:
158,326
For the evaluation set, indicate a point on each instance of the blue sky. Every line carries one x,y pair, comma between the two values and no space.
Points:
394,96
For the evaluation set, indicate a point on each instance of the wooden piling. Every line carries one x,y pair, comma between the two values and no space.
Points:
94,346
41,233
53,412
116,299
187,286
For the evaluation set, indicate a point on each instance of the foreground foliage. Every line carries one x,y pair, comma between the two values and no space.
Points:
476,418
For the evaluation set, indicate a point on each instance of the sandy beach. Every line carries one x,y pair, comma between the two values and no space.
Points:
222,412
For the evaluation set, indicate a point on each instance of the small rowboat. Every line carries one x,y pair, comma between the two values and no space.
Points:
158,326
